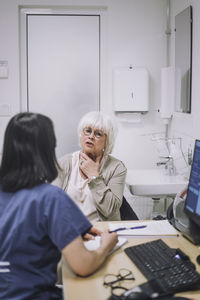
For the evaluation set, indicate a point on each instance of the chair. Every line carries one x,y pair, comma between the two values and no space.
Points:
126,211
170,214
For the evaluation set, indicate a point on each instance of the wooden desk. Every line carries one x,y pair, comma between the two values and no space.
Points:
91,287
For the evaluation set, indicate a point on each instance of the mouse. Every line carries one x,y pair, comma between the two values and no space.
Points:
198,259
138,296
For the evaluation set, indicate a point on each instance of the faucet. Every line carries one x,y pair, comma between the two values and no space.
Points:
169,165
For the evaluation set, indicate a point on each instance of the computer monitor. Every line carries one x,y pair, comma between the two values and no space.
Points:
192,203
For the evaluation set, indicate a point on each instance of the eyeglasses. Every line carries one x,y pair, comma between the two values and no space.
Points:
113,281
97,133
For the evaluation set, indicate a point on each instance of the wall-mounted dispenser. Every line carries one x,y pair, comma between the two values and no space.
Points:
131,89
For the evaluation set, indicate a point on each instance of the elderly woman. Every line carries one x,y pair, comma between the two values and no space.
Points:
92,177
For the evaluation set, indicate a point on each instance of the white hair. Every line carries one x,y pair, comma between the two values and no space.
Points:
101,121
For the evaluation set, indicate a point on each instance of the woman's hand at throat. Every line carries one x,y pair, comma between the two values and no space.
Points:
89,167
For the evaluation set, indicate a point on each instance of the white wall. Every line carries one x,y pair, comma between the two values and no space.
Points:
135,35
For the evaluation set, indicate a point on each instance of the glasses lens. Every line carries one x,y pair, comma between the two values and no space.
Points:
118,290
98,134
110,279
87,131
125,273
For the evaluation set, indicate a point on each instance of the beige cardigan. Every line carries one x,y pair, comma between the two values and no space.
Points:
107,189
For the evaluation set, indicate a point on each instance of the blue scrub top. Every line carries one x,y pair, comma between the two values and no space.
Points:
35,225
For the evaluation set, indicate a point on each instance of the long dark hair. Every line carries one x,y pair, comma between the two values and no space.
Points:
28,152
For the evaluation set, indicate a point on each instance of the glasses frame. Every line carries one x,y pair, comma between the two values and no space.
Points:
119,277
97,132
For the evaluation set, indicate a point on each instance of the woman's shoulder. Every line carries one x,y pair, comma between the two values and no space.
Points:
44,194
68,157
65,158
49,188
113,159
114,162
50,194
52,198
65,162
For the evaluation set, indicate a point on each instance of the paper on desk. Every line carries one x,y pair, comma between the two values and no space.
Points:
94,244
156,228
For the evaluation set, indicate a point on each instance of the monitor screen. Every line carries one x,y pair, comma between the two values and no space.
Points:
192,203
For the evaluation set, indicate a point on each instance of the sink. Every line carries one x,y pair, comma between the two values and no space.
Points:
154,182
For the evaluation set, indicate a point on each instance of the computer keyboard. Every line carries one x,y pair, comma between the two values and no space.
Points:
171,269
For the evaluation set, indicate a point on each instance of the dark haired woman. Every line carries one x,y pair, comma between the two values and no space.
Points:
38,221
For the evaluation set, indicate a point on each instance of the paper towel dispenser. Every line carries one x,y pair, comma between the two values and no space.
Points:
131,89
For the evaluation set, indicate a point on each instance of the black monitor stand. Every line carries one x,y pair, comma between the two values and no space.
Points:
193,233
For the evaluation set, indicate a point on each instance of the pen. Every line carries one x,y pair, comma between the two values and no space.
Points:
128,228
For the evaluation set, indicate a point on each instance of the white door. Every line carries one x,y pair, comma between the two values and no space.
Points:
63,71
